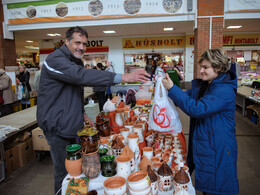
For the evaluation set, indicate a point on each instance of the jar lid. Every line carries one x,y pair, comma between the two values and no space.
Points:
73,147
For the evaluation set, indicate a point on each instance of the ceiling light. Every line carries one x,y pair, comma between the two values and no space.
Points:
54,34
109,31
230,27
168,29
29,41
31,47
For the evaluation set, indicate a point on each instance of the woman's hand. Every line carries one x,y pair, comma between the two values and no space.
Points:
167,82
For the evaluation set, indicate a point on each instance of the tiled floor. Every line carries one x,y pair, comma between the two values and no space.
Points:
37,177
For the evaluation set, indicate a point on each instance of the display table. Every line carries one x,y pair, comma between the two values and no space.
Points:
97,184
244,98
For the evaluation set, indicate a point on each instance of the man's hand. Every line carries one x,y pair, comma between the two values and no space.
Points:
136,76
167,82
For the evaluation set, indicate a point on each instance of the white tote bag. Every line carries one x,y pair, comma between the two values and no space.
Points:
164,116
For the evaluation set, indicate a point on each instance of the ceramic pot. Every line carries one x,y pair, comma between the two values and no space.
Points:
89,144
119,117
125,132
130,127
103,126
73,161
133,143
91,165
146,191
74,167
139,130
148,152
115,186
123,166
108,165
139,180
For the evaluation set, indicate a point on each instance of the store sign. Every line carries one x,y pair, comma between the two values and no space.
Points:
153,42
241,40
239,5
93,46
69,10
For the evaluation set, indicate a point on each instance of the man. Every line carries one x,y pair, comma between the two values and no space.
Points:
60,110
234,66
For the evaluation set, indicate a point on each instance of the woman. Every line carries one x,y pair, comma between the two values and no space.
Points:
7,94
24,78
211,104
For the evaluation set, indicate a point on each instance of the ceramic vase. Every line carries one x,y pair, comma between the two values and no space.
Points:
139,130
123,166
91,165
133,144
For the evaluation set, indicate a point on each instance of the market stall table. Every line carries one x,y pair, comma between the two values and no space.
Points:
244,98
17,122
97,184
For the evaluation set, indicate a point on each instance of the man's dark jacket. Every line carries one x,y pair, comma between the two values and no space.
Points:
60,97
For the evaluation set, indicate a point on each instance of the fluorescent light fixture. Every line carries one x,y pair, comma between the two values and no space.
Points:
29,41
54,34
31,47
230,27
109,31
168,29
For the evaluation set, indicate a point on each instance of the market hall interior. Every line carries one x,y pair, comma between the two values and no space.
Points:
36,177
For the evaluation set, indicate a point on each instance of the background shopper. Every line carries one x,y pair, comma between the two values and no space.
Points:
36,80
211,104
60,104
109,68
24,78
234,66
100,90
6,92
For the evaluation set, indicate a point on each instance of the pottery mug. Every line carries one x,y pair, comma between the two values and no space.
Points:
139,180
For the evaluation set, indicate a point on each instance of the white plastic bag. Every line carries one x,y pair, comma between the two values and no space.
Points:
20,92
163,116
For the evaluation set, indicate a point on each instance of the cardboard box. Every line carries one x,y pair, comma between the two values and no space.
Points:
12,159
25,152
39,140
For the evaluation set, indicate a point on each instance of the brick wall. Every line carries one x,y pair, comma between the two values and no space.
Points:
207,8
7,47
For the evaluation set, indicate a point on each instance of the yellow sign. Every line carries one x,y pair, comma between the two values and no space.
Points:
154,42
241,40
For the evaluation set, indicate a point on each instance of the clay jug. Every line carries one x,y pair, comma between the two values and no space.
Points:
91,165
73,161
103,126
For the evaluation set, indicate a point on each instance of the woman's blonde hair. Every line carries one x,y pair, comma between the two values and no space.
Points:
216,58
22,66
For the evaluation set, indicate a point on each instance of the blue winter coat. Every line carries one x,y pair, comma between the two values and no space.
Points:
212,131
